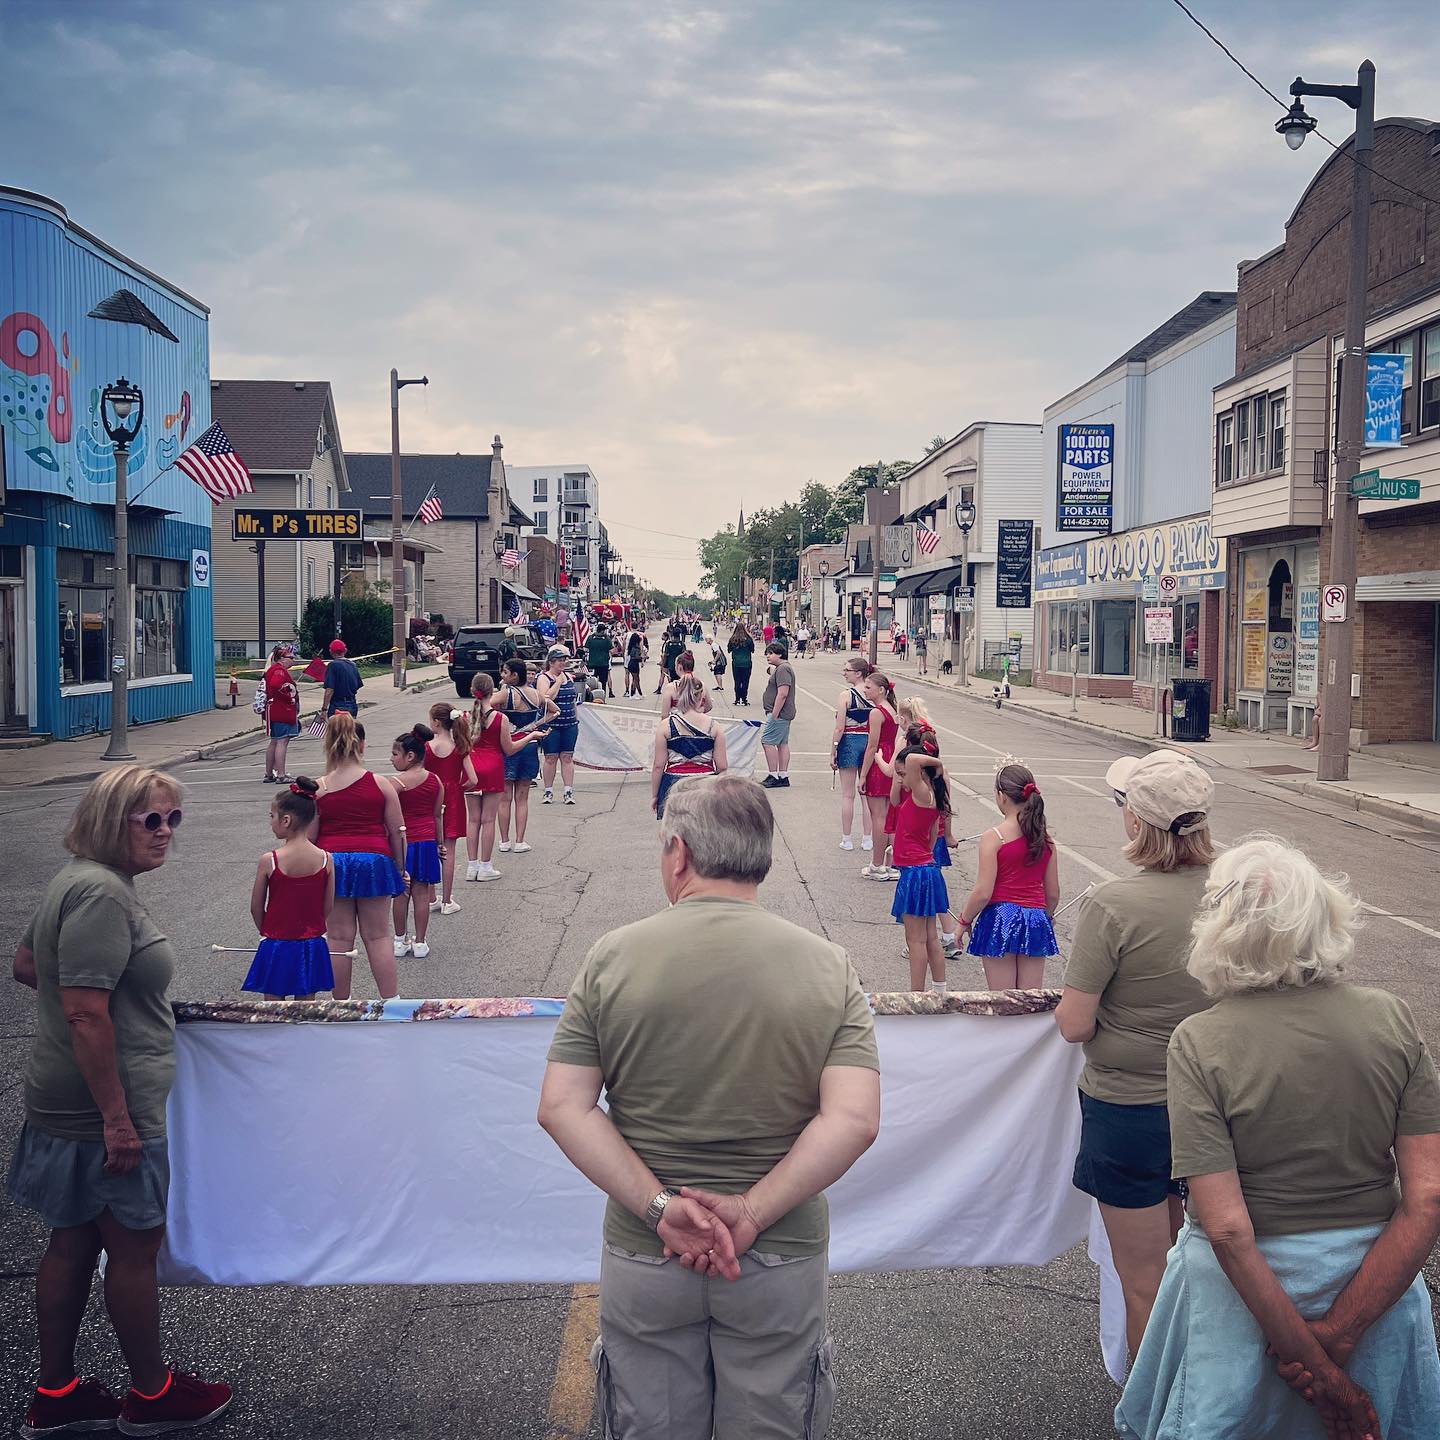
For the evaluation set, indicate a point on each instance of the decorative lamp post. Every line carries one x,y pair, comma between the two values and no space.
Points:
122,412
1335,696
965,519
824,568
397,537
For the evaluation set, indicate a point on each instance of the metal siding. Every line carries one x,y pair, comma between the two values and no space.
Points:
60,463
1104,406
1013,484
1173,478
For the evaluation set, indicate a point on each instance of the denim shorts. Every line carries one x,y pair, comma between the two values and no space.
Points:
561,739
284,729
776,731
1124,1157
66,1183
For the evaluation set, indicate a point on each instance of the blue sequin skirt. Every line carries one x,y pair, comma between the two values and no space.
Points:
422,862
920,891
291,967
850,753
362,875
942,852
1010,929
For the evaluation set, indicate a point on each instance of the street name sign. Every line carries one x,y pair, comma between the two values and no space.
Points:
1371,485
259,524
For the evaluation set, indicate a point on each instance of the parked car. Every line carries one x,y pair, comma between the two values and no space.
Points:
484,648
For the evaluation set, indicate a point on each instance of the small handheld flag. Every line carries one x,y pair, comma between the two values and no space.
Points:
514,611
582,628
316,727
211,462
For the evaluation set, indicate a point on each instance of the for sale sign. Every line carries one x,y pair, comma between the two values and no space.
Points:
1086,499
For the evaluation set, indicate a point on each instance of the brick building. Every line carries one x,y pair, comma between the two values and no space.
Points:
1272,453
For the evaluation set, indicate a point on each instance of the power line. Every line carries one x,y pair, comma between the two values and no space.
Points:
1262,86
626,525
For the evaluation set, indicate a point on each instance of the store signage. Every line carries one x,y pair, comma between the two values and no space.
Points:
1384,392
1371,485
257,524
897,547
200,569
1087,477
1252,657
1307,624
1182,549
1334,602
1015,549
1159,625
1280,661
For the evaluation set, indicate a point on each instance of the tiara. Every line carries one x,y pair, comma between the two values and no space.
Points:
1004,760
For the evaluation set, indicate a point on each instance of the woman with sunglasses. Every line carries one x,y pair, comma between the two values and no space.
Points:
92,1159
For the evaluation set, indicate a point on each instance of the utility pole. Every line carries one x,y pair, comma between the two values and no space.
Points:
397,538
873,497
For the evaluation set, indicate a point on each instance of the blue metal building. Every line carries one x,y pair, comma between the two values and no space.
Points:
75,315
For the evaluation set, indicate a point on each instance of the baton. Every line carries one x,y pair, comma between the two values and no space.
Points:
243,950
1073,899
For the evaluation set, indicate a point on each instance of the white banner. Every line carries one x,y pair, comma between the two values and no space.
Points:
613,737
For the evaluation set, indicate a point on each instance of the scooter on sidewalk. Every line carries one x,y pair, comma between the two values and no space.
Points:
1001,690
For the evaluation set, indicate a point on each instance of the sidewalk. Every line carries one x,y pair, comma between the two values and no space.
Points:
191,737
1409,794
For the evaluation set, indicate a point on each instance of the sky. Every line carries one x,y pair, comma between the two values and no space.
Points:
712,251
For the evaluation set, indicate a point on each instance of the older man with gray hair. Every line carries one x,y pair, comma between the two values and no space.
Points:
737,1055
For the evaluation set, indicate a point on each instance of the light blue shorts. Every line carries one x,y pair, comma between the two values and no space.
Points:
776,731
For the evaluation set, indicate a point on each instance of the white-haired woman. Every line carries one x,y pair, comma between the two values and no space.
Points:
1294,1102
1126,989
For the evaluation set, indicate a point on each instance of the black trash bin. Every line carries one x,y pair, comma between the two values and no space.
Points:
1190,710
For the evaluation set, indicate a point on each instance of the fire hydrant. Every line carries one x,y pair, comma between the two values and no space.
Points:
234,690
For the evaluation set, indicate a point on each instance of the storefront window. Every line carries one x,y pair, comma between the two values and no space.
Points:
84,635
1114,636
1069,624
1181,659
86,616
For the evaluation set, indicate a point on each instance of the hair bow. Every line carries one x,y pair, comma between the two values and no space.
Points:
1030,789
296,789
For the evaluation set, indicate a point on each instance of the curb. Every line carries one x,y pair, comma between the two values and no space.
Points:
1367,804
211,750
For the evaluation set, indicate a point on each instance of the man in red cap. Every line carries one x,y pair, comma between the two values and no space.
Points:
342,682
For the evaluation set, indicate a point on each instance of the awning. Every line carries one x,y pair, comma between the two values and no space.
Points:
519,590
1414,585
931,582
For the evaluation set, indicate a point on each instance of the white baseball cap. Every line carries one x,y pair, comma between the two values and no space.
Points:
1164,788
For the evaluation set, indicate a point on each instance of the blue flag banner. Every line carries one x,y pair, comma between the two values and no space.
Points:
1386,377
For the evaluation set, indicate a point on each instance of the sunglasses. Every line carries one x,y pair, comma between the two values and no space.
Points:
1119,799
156,818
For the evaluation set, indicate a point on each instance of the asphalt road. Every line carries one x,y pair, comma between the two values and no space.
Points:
1003,1352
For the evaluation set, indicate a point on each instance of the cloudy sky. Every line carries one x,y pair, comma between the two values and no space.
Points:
712,251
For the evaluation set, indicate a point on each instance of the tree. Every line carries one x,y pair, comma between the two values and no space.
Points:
935,442
724,560
850,493
365,622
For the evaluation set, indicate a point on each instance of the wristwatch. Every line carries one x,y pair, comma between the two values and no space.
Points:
656,1208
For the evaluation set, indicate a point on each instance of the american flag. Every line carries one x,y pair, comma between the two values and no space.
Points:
430,509
211,462
582,628
926,539
511,558
514,610
316,727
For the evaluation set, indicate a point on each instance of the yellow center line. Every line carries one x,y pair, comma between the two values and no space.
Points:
572,1396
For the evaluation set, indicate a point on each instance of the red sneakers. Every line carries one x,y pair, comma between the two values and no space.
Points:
186,1402
88,1406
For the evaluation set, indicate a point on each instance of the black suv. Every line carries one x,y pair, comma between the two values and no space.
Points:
484,648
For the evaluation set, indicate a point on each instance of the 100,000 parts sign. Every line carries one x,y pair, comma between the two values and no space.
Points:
1086,498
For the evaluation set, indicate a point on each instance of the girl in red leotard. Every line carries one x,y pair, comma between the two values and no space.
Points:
293,895
1017,888
359,823
422,806
923,798
882,725
493,742
448,756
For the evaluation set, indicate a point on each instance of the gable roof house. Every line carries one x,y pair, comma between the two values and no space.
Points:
287,434
463,580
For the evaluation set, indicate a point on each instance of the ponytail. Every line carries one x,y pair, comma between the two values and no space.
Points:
298,800
886,684
923,745
1016,783
454,723
344,739
414,740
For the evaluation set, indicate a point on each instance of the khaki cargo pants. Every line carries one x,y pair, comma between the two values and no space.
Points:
684,1357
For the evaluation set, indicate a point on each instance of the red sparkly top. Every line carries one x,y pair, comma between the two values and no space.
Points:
352,820
295,904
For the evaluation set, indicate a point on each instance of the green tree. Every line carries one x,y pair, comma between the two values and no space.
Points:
365,623
724,560
934,443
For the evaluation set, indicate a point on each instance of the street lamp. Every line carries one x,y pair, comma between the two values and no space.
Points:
397,538
498,546
965,514
1335,706
122,412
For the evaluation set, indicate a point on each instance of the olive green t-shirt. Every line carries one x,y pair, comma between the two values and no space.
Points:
711,1022
1303,1091
1131,943
92,932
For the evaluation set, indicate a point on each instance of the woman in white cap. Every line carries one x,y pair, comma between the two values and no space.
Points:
1126,989
1297,1102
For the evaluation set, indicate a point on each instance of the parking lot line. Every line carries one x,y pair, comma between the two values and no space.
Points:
572,1395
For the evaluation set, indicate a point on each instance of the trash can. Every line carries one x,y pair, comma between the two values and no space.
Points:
1190,710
